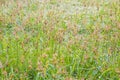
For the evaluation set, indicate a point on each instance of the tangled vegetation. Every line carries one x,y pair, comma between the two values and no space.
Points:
60,40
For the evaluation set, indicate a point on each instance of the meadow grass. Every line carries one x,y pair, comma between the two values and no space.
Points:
60,40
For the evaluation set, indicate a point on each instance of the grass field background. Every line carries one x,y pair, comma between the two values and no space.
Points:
60,40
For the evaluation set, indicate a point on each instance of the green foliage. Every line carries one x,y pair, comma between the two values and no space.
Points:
60,40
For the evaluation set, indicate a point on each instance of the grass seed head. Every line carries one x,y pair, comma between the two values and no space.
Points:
4,73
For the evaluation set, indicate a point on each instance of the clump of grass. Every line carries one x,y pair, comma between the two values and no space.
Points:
64,39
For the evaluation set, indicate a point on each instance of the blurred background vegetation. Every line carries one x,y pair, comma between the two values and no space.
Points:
59,40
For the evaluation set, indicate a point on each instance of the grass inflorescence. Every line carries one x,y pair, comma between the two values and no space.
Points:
60,40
